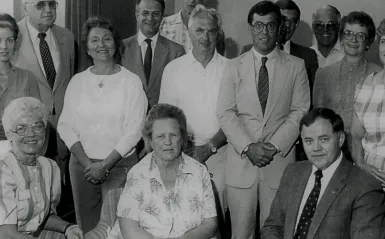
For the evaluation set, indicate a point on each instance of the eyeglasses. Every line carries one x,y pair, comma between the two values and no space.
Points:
270,27
289,22
359,36
40,5
22,129
322,27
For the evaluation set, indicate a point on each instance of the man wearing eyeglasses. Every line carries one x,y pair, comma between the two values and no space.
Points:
263,95
325,28
47,50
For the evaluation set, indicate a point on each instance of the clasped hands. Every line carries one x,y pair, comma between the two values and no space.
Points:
261,154
95,173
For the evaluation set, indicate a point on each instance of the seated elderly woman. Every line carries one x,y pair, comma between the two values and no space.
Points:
29,183
167,194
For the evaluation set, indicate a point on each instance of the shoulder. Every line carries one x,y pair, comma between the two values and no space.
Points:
195,167
297,168
171,19
302,48
128,41
361,181
129,76
373,67
329,70
47,162
172,45
142,167
63,31
177,64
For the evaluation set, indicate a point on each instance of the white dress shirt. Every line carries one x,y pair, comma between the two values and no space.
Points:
143,45
51,44
194,89
286,47
103,118
336,54
326,176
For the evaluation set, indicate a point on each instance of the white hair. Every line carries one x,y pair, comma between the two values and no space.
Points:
21,106
330,9
211,12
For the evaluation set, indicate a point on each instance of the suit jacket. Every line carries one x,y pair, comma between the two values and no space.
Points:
305,53
165,51
25,57
352,205
241,118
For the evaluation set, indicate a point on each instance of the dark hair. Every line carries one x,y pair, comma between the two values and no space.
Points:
289,5
161,2
264,8
362,19
7,21
101,22
322,113
161,112
381,28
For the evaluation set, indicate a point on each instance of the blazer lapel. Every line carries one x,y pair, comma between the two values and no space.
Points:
135,54
60,45
159,60
295,200
277,83
335,186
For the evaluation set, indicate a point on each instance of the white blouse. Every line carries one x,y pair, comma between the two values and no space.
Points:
103,112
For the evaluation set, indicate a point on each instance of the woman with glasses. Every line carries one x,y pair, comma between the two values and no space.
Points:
335,84
29,183
368,129
14,82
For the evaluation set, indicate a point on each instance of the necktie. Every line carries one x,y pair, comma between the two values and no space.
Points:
46,57
309,208
148,60
263,84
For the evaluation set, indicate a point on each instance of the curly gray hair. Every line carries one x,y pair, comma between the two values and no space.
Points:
211,12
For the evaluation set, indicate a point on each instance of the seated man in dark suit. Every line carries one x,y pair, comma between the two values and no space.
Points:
291,15
327,196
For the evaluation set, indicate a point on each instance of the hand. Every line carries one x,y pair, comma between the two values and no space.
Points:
95,173
75,233
258,155
200,153
270,148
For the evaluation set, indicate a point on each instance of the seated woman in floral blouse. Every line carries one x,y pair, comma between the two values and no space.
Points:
167,194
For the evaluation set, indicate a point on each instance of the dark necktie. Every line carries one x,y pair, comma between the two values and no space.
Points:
148,60
309,208
46,57
263,84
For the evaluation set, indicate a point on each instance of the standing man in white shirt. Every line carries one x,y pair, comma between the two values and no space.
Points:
191,83
325,28
326,196
48,51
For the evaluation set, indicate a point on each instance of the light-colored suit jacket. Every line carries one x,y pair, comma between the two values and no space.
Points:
165,51
243,122
25,57
352,206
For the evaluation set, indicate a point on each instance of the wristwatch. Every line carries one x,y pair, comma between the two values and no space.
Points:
213,149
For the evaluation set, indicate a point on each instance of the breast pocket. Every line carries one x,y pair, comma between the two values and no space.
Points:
24,205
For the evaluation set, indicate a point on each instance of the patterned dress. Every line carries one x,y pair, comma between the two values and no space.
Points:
370,109
166,213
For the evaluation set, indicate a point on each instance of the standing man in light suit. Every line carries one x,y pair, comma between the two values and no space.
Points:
47,50
263,95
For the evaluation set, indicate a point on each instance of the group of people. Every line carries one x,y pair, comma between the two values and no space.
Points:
189,134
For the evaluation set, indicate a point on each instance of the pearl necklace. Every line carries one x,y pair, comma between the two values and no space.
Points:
22,162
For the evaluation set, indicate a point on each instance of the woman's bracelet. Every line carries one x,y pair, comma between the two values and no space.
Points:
68,227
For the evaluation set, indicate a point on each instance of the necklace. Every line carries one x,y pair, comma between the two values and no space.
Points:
22,162
101,84
102,77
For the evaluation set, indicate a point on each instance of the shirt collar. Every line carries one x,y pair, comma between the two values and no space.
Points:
269,56
336,47
33,32
329,171
184,166
190,58
142,37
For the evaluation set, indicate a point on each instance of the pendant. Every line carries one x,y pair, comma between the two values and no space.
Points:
101,85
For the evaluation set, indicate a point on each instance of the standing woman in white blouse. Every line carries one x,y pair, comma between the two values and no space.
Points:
100,123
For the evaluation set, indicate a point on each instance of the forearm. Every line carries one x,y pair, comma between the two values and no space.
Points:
55,223
11,232
219,140
205,230
78,152
112,160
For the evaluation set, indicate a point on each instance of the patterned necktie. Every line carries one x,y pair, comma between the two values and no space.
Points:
46,57
148,60
309,208
263,84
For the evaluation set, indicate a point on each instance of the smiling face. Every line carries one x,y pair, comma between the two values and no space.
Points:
352,47
101,44
264,42
381,49
7,44
166,139
327,36
321,144
40,19
149,15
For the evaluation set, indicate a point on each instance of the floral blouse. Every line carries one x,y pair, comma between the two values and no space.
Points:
166,213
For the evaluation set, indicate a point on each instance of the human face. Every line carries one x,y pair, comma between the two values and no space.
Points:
381,49
264,41
149,15
101,44
40,19
321,144
290,20
7,44
203,33
353,47
166,139
327,35
31,143
189,5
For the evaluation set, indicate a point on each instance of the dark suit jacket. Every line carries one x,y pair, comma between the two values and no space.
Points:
165,51
305,53
352,205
